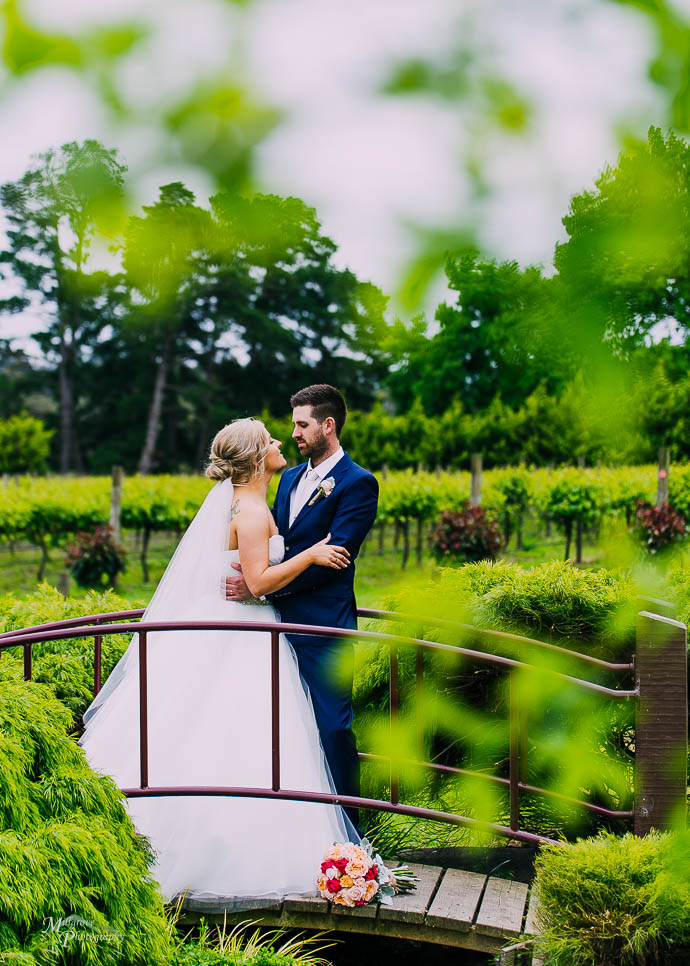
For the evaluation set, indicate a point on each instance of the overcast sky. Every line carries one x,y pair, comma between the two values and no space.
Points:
371,164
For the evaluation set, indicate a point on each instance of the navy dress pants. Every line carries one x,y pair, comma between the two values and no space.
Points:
327,668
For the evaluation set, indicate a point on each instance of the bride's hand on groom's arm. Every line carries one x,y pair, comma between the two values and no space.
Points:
327,554
322,554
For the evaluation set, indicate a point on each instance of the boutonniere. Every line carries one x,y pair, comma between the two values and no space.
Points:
325,488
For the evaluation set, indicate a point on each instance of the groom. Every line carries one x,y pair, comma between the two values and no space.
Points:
327,494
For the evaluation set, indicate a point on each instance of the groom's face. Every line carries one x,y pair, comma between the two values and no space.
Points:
308,433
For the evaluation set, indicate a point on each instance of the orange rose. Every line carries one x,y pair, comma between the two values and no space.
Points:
370,891
343,899
356,870
346,881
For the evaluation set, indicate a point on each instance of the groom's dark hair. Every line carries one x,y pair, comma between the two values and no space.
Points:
325,401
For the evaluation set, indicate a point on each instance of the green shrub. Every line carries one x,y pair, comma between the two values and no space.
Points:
24,445
614,901
586,610
67,847
66,666
678,588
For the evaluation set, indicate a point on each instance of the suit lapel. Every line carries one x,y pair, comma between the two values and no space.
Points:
340,468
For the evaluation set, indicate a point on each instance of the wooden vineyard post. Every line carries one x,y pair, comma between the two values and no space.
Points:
547,532
662,475
579,533
405,527
116,509
420,539
476,485
116,503
661,732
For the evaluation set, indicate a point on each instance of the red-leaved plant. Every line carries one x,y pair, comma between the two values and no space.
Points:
658,527
468,535
91,557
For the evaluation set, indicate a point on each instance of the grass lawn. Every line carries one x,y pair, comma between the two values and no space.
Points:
378,573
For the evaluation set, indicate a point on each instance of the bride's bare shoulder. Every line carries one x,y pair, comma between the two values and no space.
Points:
248,513
248,522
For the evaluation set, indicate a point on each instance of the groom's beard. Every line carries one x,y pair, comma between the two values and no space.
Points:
316,450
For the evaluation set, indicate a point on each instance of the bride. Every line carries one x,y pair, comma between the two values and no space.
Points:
209,703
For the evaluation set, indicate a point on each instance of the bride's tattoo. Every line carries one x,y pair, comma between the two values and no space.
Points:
234,509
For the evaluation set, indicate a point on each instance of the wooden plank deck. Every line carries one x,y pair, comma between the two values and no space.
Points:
449,907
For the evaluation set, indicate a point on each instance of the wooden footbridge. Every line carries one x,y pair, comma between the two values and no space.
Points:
451,906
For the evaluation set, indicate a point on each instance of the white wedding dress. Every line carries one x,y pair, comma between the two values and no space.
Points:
209,711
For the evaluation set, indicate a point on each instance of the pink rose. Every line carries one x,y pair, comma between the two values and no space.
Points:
356,893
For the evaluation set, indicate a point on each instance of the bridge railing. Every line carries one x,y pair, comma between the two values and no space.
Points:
660,694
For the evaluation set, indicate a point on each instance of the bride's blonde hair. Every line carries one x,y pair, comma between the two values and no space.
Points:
238,451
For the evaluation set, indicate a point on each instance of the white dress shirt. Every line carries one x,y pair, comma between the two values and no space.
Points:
310,480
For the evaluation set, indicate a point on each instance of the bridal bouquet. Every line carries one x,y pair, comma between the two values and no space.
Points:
352,875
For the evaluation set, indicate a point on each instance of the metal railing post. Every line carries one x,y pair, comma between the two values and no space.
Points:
275,711
97,659
514,762
393,701
143,714
419,703
524,727
661,734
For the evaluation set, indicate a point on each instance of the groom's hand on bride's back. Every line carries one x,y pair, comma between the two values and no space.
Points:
236,587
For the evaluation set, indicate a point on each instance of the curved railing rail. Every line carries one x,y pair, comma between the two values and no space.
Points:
483,633
99,625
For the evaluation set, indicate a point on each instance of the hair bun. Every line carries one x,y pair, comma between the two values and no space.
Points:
238,451
219,469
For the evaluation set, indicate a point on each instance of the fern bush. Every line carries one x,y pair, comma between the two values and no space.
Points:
614,901
66,666
68,850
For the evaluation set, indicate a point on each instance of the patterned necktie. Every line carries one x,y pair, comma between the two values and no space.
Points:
301,497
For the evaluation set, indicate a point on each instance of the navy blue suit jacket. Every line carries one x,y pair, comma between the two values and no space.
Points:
322,595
